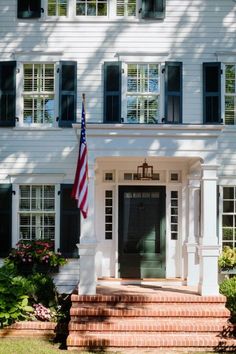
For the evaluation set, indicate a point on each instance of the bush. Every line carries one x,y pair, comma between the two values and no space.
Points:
34,253
14,300
227,259
32,297
228,288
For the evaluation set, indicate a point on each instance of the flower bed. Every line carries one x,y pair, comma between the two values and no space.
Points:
35,256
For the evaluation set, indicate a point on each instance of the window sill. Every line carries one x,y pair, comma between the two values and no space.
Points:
102,19
35,128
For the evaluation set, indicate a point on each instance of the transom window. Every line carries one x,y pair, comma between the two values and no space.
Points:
143,91
37,212
229,217
230,94
57,7
126,8
39,93
91,7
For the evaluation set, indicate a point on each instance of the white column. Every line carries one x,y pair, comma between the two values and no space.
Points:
87,245
193,231
209,244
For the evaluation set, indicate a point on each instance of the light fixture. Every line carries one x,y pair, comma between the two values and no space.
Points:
145,171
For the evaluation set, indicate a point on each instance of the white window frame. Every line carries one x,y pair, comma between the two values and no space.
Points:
124,86
71,13
221,212
15,206
20,96
88,17
223,91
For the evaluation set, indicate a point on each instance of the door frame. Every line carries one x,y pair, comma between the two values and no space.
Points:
119,219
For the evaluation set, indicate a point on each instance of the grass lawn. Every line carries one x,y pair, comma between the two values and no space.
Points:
40,346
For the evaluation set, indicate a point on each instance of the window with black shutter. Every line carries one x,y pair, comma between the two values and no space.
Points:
28,9
69,223
5,219
68,93
173,92
7,93
153,9
112,92
211,93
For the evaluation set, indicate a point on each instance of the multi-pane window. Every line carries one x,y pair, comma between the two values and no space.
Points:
174,215
143,90
57,7
126,8
108,214
230,94
39,93
229,217
37,212
91,7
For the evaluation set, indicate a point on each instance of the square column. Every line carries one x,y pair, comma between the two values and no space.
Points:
209,244
88,244
193,231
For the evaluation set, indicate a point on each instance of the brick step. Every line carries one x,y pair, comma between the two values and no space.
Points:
159,298
151,325
148,340
150,310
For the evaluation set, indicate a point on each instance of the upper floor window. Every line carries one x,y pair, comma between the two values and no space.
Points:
230,94
57,7
91,7
145,9
38,93
143,91
125,8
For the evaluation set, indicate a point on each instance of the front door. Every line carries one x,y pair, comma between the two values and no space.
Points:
141,232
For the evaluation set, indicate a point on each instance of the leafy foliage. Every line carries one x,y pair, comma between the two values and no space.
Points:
228,288
14,298
35,253
29,297
227,259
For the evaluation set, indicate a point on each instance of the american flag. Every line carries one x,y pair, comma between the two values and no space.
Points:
80,187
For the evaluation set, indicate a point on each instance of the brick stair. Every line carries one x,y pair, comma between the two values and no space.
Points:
152,321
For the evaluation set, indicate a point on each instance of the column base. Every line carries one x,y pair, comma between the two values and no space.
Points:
193,264
87,272
208,283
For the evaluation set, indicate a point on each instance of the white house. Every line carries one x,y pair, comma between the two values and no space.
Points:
160,83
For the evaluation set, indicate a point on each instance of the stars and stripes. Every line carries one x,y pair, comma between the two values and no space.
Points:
80,187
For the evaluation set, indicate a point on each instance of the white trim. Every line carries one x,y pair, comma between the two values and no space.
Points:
39,178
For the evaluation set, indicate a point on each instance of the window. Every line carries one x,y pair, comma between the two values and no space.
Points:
230,94
91,7
126,8
143,91
174,215
37,212
229,217
108,214
57,7
38,93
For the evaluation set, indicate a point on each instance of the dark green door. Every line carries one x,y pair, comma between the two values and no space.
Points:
141,232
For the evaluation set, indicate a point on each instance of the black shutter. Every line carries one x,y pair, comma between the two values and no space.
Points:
5,219
28,9
69,223
173,92
7,93
153,9
68,93
112,92
211,93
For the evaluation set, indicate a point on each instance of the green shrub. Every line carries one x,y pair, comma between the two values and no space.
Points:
227,259
14,300
228,288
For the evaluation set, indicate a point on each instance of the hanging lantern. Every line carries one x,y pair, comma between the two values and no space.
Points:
145,171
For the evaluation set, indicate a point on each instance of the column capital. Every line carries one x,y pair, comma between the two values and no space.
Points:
209,172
